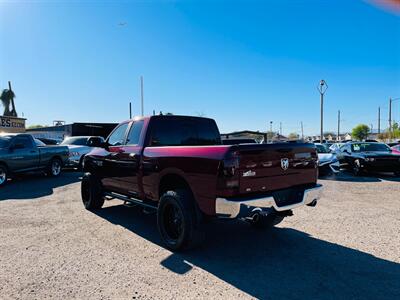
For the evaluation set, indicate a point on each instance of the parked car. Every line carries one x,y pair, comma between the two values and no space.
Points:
48,141
334,148
20,153
360,157
177,166
238,141
79,146
327,162
396,149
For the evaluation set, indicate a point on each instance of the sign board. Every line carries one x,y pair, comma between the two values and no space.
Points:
12,124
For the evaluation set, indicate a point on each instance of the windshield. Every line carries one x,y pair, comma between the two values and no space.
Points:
365,147
4,141
321,149
79,141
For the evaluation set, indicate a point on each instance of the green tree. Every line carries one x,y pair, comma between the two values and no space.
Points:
293,136
35,126
360,132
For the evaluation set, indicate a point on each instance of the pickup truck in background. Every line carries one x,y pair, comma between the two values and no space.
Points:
178,166
20,153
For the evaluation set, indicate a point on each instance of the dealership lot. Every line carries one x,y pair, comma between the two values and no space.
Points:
345,247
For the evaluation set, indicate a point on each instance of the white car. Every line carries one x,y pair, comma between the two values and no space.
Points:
78,147
328,162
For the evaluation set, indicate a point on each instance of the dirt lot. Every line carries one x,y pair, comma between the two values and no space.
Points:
346,247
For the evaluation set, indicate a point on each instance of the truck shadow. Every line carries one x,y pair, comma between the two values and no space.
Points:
36,185
274,264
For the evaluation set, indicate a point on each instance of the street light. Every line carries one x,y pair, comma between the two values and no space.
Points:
322,87
391,100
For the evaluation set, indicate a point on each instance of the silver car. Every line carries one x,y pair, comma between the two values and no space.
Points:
79,146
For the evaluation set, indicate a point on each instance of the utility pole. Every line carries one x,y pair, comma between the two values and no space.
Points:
141,93
130,110
390,118
270,130
338,126
302,131
322,87
379,120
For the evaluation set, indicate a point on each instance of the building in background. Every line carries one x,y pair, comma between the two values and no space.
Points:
74,129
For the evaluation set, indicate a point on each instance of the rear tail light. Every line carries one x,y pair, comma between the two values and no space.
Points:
228,182
230,165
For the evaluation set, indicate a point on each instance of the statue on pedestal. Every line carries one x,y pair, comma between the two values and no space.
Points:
7,98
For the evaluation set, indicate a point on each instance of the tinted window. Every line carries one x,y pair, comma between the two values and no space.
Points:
78,141
4,142
184,132
321,149
361,147
95,142
22,142
134,133
118,135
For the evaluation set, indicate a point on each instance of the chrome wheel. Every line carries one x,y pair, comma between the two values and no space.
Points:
3,176
55,168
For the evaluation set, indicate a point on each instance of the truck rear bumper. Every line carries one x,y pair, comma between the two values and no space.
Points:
227,208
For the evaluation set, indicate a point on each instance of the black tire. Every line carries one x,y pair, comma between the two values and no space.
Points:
80,165
54,167
3,175
265,222
91,192
179,220
397,174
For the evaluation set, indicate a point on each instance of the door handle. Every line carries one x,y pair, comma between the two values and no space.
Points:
32,151
133,155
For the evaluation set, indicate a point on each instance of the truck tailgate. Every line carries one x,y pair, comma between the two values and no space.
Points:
270,167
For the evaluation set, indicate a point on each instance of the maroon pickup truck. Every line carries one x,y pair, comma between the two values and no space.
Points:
178,166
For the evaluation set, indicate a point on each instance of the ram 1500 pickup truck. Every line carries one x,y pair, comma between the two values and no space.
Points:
20,153
178,166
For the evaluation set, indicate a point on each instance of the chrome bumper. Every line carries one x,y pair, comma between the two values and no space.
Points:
226,208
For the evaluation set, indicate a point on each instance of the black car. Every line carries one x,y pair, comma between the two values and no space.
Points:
238,141
360,157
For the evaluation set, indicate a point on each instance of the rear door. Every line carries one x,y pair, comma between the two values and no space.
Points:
269,167
24,154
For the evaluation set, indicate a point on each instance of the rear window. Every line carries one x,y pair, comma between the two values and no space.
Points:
184,132
77,141
365,147
4,142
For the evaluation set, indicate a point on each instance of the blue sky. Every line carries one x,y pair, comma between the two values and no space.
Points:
244,63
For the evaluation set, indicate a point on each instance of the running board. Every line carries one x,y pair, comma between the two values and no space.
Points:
128,199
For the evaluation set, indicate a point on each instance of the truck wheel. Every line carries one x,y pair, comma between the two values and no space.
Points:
80,165
265,222
3,175
91,192
179,220
54,168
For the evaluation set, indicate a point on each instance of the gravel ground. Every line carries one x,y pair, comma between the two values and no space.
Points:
347,247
